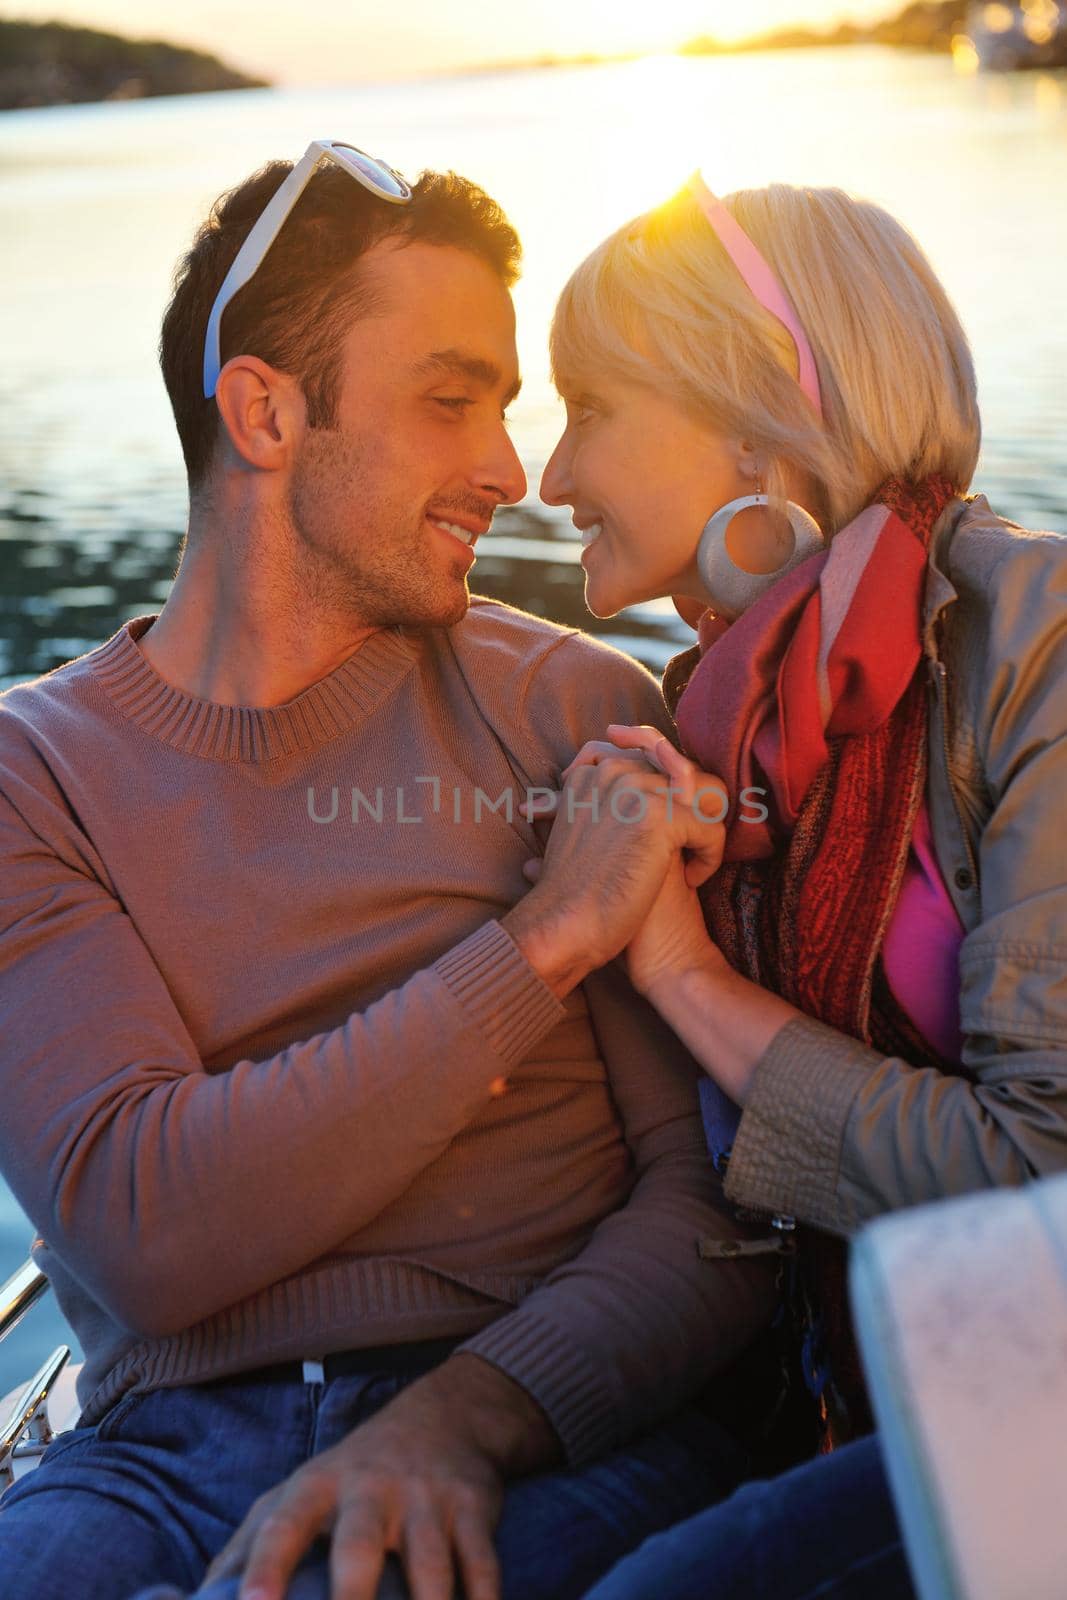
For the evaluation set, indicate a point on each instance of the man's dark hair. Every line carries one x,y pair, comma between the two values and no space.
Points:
298,305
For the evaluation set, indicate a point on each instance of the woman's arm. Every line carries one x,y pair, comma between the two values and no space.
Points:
727,1022
834,1133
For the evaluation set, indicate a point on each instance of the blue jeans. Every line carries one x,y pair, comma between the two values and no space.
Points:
826,1529
151,1493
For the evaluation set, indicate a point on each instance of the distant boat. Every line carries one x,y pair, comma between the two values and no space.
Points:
1008,37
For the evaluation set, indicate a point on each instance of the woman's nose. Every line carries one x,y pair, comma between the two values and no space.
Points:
555,480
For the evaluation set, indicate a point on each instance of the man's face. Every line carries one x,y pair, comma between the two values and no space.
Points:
419,440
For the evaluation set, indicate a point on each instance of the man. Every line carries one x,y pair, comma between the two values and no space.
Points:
345,1160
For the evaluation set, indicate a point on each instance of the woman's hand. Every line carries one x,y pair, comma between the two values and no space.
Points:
697,792
606,870
673,937
726,1021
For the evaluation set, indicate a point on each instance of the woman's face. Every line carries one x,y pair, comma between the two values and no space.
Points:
632,463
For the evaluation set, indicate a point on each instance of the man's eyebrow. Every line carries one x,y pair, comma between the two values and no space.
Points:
458,363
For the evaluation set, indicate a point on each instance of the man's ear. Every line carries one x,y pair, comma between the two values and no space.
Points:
262,412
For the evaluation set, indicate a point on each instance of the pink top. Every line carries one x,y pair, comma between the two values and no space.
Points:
922,945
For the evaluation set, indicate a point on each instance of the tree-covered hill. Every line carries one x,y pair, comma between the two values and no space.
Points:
921,25
51,63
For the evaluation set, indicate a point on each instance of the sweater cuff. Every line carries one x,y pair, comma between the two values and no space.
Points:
558,1374
499,992
786,1155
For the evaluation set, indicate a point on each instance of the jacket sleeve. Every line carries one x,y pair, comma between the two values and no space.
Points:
637,1321
834,1133
125,1153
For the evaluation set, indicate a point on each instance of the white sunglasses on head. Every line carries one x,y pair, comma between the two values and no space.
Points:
373,174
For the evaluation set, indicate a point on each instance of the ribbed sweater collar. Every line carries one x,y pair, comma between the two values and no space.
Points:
336,704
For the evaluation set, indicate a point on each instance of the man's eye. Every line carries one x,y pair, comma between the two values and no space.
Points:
454,402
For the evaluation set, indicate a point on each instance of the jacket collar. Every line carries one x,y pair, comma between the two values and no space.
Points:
940,591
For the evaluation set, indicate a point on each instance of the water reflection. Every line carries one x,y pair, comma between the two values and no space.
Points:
97,203
62,594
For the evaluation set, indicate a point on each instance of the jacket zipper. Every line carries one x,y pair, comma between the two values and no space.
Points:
941,681
710,1249
780,1242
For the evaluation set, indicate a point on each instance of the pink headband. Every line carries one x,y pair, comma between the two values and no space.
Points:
760,279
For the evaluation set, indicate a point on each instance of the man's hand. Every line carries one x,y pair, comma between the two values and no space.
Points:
627,812
424,1477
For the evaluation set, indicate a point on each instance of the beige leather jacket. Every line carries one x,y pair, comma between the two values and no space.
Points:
834,1133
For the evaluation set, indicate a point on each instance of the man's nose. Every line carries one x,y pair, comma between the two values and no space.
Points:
503,474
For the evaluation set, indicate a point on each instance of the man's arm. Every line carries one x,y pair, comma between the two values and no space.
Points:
621,1335
633,1326
157,1183
615,1338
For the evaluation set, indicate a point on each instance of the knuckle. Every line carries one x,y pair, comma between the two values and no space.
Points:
482,1562
420,1510
358,1546
431,1563
630,769
470,1496
278,1524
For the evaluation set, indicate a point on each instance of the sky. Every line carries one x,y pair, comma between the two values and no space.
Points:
349,40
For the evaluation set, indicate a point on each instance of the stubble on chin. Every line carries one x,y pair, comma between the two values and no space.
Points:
355,554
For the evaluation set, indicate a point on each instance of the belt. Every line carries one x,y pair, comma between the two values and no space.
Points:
389,1360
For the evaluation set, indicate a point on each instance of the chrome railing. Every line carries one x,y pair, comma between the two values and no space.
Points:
18,1294
26,1431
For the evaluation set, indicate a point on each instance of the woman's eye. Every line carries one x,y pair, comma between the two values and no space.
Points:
579,413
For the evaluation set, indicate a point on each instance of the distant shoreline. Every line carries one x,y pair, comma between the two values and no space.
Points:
52,64
928,25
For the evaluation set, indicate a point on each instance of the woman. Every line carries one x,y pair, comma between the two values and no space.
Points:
771,416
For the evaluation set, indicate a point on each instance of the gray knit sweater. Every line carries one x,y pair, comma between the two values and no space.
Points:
276,1082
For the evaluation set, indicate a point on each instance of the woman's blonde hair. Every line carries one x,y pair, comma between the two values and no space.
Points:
661,302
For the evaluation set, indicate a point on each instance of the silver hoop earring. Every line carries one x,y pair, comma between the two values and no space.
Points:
730,588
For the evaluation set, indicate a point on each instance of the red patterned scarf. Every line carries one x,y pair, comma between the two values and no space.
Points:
814,697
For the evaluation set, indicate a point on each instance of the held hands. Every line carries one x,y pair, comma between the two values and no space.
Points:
637,828
651,870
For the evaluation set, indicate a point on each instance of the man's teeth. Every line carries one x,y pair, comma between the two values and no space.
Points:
590,533
453,527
